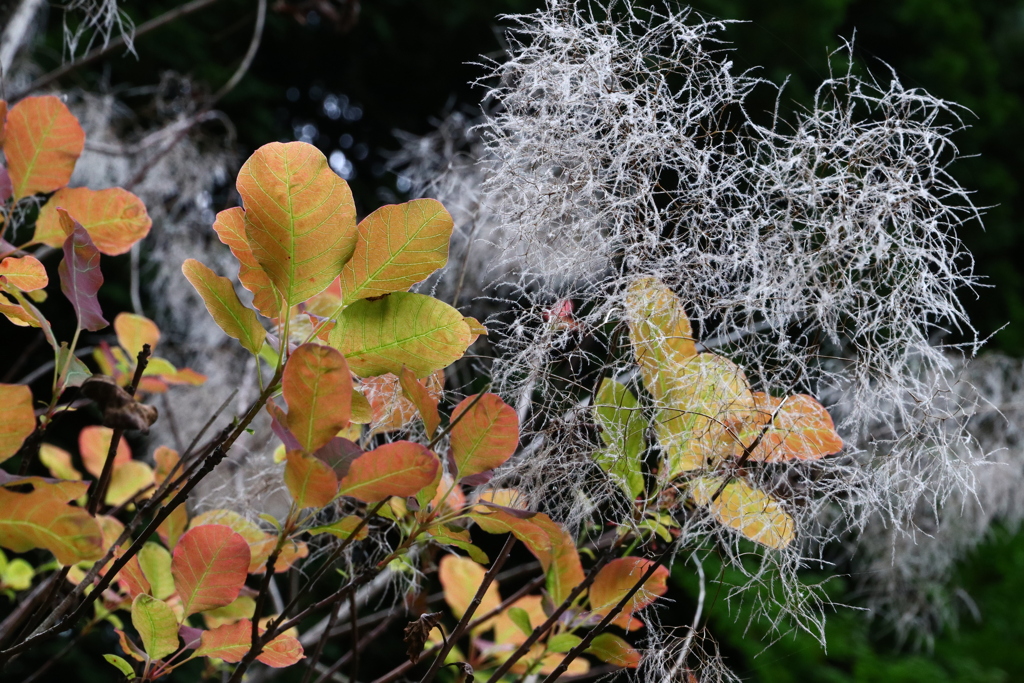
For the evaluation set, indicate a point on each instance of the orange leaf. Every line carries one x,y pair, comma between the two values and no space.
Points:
299,218
461,577
209,566
43,142
132,579
25,273
230,642
535,538
230,228
399,469
311,481
612,649
563,566
43,519
3,122
17,314
802,430
93,443
318,389
17,418
165,459
114,218
135,330
485,437
398,246
616,579
421,397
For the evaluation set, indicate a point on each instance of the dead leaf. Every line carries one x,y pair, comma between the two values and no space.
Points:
120,409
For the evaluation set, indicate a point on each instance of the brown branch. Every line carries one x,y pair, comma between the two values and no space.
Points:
92,56
460,628
99,491
608,619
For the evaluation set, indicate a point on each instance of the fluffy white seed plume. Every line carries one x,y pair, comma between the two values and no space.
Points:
816,249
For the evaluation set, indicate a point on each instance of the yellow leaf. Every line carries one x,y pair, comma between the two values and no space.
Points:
135,330
218,293
660,332
753,513
230,228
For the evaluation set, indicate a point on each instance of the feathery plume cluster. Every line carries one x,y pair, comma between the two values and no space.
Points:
95,21
817,249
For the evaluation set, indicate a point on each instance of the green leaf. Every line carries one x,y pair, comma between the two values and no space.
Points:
157,625
121,665
401,329
521,618
475,553
612,649
563,642
617,412
17,575
155,561
218,293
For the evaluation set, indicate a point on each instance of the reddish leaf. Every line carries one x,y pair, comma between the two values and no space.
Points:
43,519
209,565
230,228
93,443
421,397
25,273
43,142
311,481
132,579
802,430
135,330
317,386
612,649
80,275
261,544
399,469
299,217
485,437
17,418
114,218
231,641
616,579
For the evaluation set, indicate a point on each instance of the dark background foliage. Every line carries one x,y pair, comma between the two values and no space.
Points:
347,85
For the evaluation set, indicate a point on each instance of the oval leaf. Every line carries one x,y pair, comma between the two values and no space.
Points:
93,444
753,513
56,460
660,332
43,519
209,566
80,275
485,436
617,578
43,142
26,273
402,329
17,418
133,331
155,563
311,481
460,578
230,642
399,469
611,649
156,624
114,218
801,430
317,386
398,246
218,294
299,217
230,228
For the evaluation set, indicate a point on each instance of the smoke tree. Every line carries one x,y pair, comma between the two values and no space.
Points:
718,332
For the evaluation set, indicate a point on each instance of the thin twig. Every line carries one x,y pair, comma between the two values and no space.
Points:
608,618
460,628
681,660
99,491
362,642
92,56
